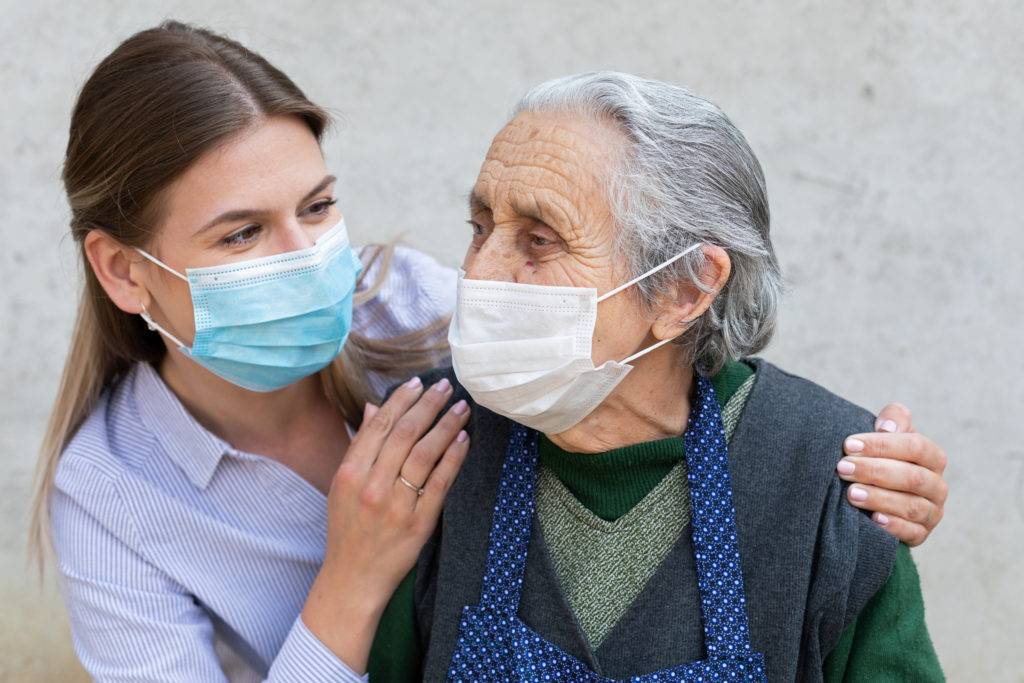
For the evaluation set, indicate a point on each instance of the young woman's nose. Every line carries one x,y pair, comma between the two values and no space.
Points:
294,236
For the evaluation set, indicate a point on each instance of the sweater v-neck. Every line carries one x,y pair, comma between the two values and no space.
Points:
611,483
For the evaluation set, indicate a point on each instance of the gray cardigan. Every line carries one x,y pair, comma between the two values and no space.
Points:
810,560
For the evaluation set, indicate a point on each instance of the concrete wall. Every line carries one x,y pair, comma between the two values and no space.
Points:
891,134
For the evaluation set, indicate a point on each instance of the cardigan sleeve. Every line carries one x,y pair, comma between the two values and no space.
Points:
396,655
889,639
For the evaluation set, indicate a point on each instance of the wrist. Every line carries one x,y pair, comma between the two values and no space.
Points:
343,616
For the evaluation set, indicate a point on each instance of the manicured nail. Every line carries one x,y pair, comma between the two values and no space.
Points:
880,519
858,494
461,438
845,467
414,383
887,426
442,386
854,446
460,408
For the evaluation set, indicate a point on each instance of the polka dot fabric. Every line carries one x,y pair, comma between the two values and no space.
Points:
495,645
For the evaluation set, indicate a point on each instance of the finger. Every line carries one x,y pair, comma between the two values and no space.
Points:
428,450
915,448
378,423
441,479
908,532
894,418
894,475
407,431
894,504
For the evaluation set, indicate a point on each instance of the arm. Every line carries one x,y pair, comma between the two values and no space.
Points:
899,476
889,639
377,524
131,622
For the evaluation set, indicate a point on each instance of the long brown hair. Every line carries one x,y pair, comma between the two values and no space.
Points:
158,102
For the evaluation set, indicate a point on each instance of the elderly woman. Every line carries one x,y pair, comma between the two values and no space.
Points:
642,500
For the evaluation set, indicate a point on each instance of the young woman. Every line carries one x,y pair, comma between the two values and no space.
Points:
227,501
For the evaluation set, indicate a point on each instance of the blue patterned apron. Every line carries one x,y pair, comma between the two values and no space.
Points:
495,645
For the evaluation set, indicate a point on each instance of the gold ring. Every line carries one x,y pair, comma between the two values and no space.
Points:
414,487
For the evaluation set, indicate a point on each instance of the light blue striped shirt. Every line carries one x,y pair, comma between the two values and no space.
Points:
184,559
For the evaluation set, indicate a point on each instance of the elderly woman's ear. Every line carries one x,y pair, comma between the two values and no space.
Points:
687,301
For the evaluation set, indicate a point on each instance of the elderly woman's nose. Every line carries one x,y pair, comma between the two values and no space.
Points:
494,261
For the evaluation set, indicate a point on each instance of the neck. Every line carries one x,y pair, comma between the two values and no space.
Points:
652,402
276,424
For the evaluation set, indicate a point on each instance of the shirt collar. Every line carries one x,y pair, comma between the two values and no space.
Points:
192,447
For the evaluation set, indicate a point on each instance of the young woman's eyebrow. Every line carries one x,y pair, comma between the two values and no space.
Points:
241,214
319,188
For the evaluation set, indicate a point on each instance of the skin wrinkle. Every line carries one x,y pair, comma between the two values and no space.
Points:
555,168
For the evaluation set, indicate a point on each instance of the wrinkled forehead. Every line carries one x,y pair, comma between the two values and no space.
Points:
542,159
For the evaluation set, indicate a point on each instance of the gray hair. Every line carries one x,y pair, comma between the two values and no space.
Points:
688,176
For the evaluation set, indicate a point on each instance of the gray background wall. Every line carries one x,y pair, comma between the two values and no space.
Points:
891,134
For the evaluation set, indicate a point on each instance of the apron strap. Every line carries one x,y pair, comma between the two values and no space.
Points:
513,518
716,549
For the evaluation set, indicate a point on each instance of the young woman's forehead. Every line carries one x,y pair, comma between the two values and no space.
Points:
270,165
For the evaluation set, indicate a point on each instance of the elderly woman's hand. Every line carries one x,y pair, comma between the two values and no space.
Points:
897,474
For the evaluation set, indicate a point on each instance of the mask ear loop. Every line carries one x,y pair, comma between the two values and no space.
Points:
152,324
163,265
652,271
650,348
155,327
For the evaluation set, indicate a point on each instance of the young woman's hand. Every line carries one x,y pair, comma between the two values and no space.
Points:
384,503
897,474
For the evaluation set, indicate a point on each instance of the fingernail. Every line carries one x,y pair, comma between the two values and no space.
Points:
854,446
858,494
880,519
442,386
887,426
414,383
462,436
845,467
460,408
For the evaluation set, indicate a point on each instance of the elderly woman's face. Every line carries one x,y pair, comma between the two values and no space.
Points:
540,215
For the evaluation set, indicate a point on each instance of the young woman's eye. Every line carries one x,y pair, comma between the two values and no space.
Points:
321,207
243,236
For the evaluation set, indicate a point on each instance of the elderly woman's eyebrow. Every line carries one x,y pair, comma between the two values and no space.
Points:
477,203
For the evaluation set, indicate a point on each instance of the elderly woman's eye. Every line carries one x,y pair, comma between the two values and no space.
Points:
540,241
243,236
478,229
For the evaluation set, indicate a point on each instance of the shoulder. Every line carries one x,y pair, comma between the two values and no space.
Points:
403,290
803,398
93,466
800,427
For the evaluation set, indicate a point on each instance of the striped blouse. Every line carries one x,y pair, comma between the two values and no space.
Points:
184,559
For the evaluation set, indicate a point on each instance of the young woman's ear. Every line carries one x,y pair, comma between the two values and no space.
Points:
117,268
687,302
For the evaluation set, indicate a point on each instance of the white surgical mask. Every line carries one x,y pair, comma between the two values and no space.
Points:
524,351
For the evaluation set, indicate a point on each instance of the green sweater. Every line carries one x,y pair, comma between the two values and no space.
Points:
887,641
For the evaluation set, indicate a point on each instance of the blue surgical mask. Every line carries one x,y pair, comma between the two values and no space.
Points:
268,322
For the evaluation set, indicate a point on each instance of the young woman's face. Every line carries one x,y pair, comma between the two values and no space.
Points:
266,191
